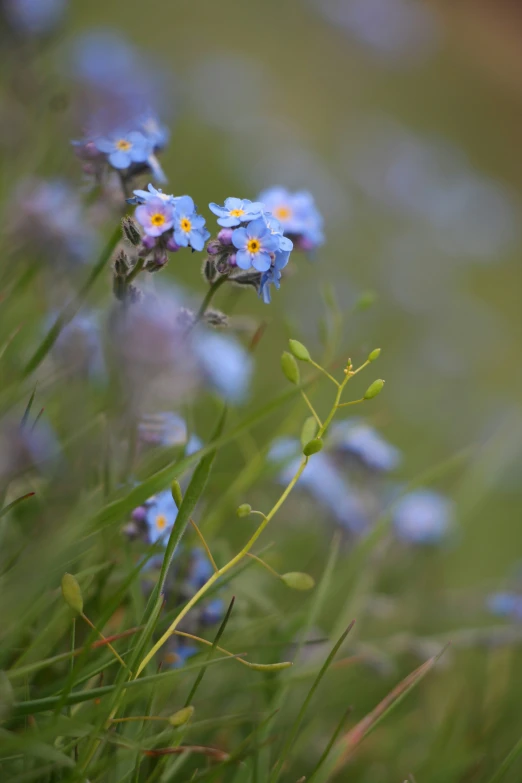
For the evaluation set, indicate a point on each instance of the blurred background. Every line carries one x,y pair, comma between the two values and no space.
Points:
403,119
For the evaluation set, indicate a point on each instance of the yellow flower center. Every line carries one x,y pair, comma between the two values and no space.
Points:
185,225
157,219
253,246
161,521
283,213
123,145
237,212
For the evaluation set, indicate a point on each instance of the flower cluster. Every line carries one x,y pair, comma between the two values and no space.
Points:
130,149
169,223
253,238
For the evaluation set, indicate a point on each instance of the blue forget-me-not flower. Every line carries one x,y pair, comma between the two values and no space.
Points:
237,211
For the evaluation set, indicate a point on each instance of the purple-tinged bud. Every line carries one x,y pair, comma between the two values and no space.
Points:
139,514
232,260
149,242
304,244
214,247
172,245
225,236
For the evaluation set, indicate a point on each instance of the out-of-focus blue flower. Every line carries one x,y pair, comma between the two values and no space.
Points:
200,569
79,345
163,429
189,227
322,479
50,216
34,17
184,651
506,605
25,447
142,196
225,363
213,612
255,246
123,148
423,517
156,216
160,515
363,442
236,211
297,214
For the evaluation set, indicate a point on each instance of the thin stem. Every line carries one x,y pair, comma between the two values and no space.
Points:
265,565
312,409
139,717
109,645
325,372
352,402
215,576
205,545
216,285
133,274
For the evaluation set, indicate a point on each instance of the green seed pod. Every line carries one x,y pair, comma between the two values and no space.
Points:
298,580
176,493
72,593
309,431
374,355
312,447
181,716
373,390
244,510
290,368
300,351
130,230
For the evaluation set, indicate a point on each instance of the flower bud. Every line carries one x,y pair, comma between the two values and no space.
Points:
244,510
232,259
130,230
209,270
215,318
181,716
299,350
172,245
225,236
176,493
374,355
298,580
309,431
121,263
290,368
373,390
72,593
312,447
213,247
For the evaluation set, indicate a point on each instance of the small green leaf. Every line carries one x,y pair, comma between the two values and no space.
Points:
312,447
72,593
298,580
373,390
309,431
300,351
290,368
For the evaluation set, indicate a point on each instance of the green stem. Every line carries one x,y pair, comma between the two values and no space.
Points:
217,574
133,274
71,309
216,285
312,409
352,402
325,372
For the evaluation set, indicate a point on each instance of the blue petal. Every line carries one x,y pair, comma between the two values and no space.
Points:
243,259
185,205
234,203
217,210
240,239
119,159
181,238
228,222
104,145
196,240
262,262
285,244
